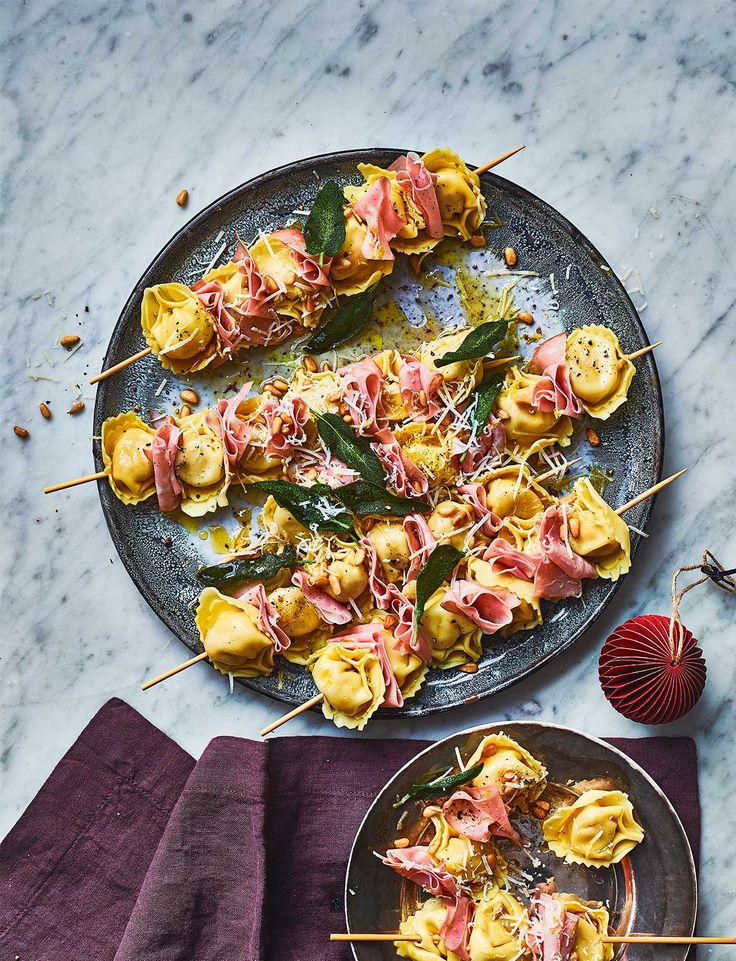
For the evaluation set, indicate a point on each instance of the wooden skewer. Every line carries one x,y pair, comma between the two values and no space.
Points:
121,366
174,670
498,160
650,492
77,480
556,470
664,939
395,936
500,361
644,350
312,702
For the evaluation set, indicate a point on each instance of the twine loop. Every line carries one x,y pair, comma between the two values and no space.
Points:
712,570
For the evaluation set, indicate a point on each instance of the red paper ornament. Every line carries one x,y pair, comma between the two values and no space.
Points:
652,670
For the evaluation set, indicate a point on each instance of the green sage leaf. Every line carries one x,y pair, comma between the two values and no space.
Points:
344,323
262,567
479,343
440,786
314,507
324,231
440,564
486,394
352,450
363,498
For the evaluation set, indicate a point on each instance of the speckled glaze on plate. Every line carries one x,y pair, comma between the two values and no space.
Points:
653,890
162,556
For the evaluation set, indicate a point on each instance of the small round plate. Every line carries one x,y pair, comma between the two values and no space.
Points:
573,285
653,890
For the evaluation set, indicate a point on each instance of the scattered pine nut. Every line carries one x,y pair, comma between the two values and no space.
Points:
574,526
69,341
182,197
310,363
401,843
185,410
20,431
325,366
509,255
45,412
347,418
276,425
281,385
189,396
478,240
77,407
593,438
470,668
524,317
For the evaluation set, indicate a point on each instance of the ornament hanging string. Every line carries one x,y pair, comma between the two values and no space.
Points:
712,570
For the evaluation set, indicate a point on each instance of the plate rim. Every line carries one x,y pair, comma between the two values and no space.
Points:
553,726
577,236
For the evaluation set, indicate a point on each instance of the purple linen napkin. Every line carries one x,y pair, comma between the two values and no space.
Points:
131,852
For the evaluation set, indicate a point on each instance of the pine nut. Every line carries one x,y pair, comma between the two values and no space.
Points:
69,341
401,843
347,418
509,255
478,240
593,438
335,584
524,317
182,197
325,366
45,412
189,396
390,622
470,668
20,431
574,526
77,407
310,363
185,411
276,425
280,385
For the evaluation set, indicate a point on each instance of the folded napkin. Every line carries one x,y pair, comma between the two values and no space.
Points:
131,851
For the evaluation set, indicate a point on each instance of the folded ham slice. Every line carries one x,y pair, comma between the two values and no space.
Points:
403,474
551,933
307,268
376,210
419,389
421,543
490,441
415,865
419,183
234,433
291,415
554,391
212,298
330,610
560,570
476,495
479,813
162,454
457,926
549,353
504,558
488,608
362,389
371,636
255,594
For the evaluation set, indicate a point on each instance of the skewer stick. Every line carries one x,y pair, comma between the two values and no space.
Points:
77,480
174,670
500,361
556,470
395,936
121,366
312,702
654,939
498,160
650,492
644,350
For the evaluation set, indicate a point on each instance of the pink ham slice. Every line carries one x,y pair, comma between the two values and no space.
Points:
259,296
255,594
506,559
162,454
234,433
491,439
456,927
212,297
550,353
477,495
371,636
551,934
307,268
405,477
479,813
489,609
293,415
421,543
330,610
362,390
375,209
561,570
415,865
419,183
554,392
415,380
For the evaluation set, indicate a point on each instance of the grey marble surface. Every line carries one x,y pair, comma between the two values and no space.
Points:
628,111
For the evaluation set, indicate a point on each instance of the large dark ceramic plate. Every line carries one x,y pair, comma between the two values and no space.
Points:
653,890
162,556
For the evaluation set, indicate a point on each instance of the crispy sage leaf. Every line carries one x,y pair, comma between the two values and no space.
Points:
440,564
478,343
314,507
487,392
344,323
352,450
440,786
324,231
260,568
363,498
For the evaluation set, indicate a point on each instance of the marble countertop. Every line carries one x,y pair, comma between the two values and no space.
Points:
109,110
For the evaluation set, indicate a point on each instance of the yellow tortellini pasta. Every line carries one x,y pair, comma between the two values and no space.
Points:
528,614
430,448
592,924
177,328
341,572
392,549
469,861
452,638
408,669
528,427
450,522
597,830
351,679
231,634
281,523
125,439
463,375
300,620
426,924
275,263
351,273
601,535
200,466
600,373
519,775
517,500
413,237
462,205
316,389
390,363
499,928
233,281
